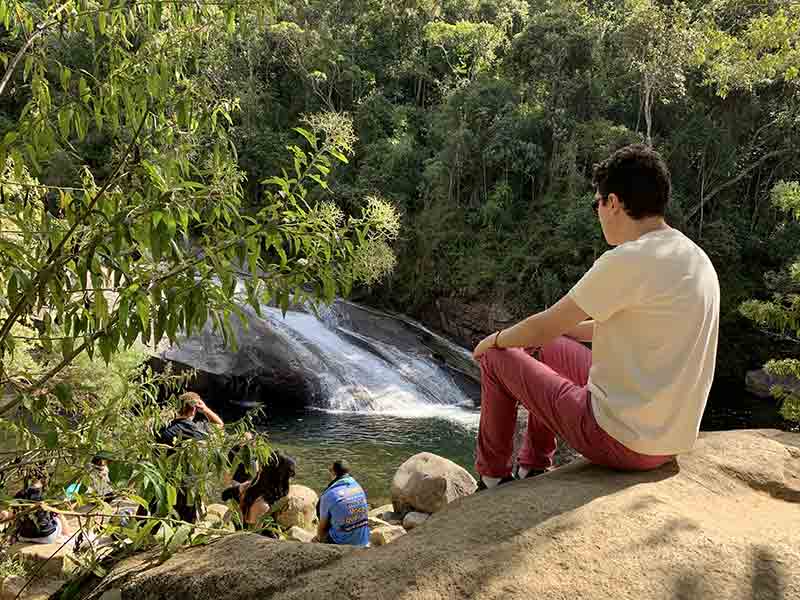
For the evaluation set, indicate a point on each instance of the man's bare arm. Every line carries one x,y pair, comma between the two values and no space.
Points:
583,332
537,329
210,414
322,529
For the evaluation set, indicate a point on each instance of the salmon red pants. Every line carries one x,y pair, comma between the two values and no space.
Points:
553,390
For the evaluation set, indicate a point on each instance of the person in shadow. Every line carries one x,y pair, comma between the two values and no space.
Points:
184,426
36,525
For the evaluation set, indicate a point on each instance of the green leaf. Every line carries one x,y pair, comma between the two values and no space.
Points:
64,121
169,221
83,91
26,71
66,75
67,346
80,125
172,495
143,310
312,139
338,155
51,440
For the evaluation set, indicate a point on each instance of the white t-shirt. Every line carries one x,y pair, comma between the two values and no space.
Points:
655,301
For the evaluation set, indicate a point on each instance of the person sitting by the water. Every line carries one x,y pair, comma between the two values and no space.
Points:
184,426
99,477
270,485
37,526
343,510
635,400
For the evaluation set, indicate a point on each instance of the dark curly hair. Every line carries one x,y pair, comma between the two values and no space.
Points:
272,480
640,179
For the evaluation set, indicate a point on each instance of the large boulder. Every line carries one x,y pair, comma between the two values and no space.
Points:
427,483
298,508
720,523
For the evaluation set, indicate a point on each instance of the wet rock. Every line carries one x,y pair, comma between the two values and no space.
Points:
759,382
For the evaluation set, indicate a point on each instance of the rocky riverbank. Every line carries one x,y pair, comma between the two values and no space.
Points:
721,522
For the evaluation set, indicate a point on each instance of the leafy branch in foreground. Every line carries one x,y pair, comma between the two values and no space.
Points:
109,256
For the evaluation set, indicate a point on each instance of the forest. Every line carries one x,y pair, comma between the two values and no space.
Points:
153,151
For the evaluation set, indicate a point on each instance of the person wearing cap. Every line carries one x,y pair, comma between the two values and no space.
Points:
343,509
184,426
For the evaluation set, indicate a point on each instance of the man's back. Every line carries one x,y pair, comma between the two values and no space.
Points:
655,301
344,504
181,429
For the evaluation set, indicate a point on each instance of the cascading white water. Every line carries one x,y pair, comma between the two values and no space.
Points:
359,373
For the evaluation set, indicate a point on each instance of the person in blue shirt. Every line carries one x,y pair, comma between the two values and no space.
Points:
343,510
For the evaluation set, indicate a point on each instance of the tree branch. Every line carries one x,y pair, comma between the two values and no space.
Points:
42,275
40,29
731,182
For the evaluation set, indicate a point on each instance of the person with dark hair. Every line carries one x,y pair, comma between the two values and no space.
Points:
38,526
650,309
343,509
256,497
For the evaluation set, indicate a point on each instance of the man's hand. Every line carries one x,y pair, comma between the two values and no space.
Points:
537,330
485,344
210,414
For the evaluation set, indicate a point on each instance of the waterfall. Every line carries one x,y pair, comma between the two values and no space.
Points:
360,373
346,359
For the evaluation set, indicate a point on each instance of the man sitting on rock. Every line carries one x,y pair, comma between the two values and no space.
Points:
343,510
636,399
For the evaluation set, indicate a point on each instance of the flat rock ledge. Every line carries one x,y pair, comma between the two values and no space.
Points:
723,522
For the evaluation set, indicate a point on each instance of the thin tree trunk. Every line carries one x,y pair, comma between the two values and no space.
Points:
722,187
648,113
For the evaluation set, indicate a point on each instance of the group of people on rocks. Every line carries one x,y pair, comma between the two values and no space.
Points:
342,509
650,310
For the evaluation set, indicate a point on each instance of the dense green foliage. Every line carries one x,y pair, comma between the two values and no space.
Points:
782,311
481,120
151,151
123,222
